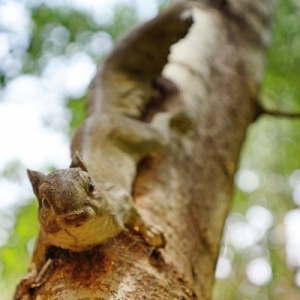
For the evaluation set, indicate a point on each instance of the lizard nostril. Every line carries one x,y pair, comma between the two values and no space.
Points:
72,217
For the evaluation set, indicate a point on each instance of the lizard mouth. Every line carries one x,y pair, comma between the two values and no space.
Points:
78,218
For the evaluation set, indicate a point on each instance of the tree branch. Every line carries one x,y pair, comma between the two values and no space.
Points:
185,189
280,114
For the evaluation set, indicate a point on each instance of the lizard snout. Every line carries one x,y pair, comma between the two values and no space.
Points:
73,216
78,216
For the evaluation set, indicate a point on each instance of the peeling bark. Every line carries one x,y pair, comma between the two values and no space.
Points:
187,189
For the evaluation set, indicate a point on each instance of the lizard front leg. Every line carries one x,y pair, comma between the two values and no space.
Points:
127,215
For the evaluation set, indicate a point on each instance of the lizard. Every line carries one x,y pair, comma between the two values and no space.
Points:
84,205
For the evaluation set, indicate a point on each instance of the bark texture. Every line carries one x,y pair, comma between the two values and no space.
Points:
187,189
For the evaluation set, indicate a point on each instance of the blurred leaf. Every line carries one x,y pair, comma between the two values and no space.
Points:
14,255
76,107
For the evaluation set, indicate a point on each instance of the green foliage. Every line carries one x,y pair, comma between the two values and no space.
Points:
282,82
76,107
17,247
123,19
15,255
53,33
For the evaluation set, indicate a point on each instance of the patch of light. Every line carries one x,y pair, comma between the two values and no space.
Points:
4,42
71,76
292,229
296,195
80,73
146,9
247,180
100,10
14,16
260,218
4,235
7,219
240,234
9,195
294,179
224,268
297,278
294,182
33,124
11,65
245,232
30,245
100,43
259,271
94,4
13,192
60,35
14,39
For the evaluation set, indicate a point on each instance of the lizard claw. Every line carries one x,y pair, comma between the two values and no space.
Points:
153,236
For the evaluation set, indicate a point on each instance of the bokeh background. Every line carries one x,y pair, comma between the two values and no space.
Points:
48,56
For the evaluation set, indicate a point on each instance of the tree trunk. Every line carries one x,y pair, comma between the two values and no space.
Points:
186,189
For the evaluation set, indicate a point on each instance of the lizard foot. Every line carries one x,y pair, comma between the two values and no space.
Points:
152,235
23,288
31,281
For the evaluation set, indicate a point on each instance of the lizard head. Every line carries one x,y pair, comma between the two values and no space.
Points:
67,197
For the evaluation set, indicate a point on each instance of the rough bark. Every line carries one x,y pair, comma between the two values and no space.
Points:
187,189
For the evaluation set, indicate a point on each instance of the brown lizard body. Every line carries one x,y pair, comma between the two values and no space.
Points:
90,202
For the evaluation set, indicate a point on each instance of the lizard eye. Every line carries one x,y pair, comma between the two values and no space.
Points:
91,187
45,203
